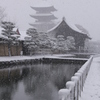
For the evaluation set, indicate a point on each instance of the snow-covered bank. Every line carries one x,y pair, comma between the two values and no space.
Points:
91,89
12,58
59,56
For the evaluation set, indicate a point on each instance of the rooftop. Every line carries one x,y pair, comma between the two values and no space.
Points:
43,6
71,26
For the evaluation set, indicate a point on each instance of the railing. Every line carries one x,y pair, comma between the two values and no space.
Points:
75,86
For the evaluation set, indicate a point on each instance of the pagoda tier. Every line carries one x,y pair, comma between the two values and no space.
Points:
44,17
37,23
43,27
44,9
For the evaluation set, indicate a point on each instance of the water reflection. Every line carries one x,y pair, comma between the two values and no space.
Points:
35,82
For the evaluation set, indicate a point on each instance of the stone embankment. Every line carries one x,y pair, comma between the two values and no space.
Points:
23,60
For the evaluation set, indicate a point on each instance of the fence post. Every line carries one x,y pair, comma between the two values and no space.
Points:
80,82
64,94
71,86
76,80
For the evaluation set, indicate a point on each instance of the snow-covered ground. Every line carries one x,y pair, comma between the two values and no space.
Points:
92,85
6,58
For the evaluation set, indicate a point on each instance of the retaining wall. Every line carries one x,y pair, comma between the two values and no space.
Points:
12,63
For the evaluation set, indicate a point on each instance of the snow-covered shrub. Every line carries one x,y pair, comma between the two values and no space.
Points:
70,42
31,41
60,45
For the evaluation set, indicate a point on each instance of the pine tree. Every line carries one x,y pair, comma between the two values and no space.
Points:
70,43
60,45
44,41
9,34
31,41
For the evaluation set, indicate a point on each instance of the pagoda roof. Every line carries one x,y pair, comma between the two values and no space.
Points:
39,23
44,8
44,16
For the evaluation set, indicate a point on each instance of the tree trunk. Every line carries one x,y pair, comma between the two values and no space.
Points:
16,50
9,49
4,48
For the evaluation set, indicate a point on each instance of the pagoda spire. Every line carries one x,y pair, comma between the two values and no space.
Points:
64,18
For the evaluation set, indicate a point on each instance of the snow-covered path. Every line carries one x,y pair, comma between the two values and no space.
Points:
92,84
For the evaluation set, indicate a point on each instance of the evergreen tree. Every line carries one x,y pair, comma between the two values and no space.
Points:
44,41
31,41
70,43
9,34
61,44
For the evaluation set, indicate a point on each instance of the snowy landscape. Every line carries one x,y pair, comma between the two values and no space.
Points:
49,50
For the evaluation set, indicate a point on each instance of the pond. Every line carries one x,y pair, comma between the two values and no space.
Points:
35,82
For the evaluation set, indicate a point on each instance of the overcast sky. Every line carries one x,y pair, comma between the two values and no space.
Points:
82,12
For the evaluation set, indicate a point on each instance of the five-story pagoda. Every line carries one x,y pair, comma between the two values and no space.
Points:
43,16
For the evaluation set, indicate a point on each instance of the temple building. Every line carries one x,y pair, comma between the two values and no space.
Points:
44,19
63,28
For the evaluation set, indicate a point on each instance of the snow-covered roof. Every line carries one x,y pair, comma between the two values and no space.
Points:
44,16
54,27
69,24
43,6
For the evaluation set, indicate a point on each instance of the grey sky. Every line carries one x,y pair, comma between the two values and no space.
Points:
83,12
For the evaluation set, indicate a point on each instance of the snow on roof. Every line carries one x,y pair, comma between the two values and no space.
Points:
47,14
69,24
54,27
39,23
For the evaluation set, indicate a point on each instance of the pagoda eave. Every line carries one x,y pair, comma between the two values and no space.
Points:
45,17
47,9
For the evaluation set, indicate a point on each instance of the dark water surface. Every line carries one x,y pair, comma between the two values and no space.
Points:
35,82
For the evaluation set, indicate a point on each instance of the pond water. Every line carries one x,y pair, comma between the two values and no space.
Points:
35,82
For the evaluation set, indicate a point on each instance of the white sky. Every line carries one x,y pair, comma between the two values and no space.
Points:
82,12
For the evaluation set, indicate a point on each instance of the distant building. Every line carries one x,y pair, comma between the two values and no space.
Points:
44,17
64,29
